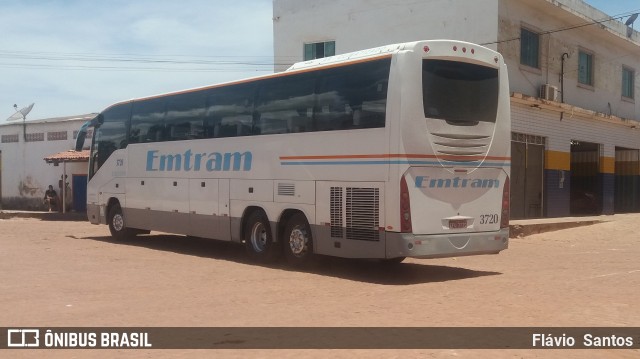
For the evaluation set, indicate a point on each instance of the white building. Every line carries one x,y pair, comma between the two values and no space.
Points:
24,174
573,74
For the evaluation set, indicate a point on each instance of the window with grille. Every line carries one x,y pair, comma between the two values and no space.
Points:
57,136
529,48
628,83
585,68
35,137
9,138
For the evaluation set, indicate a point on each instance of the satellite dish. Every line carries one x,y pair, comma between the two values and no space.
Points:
22,114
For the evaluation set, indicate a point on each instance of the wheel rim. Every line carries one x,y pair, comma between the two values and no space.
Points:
298,240
118,222
259,239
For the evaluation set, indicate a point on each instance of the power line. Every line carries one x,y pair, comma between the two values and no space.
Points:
128,68
548,32
211,63
74,61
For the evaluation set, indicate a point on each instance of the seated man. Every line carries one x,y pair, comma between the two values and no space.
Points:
51,198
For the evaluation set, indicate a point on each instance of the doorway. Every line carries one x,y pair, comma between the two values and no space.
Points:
79,183
586,184
627,180
527,170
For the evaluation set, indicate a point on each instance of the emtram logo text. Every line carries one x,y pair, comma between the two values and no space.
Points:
200,161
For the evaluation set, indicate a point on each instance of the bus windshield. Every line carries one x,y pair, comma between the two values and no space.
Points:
460,93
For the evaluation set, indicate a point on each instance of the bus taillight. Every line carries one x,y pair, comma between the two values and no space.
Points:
504,222
405,207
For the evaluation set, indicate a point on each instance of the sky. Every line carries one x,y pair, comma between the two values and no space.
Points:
72,57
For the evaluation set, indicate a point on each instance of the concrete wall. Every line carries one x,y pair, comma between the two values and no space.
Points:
607,42
361,24
25,175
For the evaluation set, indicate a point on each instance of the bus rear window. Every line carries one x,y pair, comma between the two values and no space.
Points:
460,93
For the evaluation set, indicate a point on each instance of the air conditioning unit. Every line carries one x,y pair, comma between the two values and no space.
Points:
549,92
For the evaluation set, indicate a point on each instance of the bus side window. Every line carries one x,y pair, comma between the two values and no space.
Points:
374,102
283,103
353,96
302,122
185,116
333,111
154,134
230,110
210,125
179,131
111,134
147,121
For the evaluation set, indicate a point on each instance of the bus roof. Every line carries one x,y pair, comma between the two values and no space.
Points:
373,53
356,55
337,60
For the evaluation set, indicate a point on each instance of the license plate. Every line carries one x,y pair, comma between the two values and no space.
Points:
457,223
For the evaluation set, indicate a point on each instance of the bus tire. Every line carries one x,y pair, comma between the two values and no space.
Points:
298,242
258,239
117,226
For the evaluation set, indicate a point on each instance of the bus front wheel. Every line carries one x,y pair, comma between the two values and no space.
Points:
117,224
298,243
258,239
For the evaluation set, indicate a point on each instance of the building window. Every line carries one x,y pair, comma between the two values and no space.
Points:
10,138
529,48
35,137
319,50
57,136
585,68
628,83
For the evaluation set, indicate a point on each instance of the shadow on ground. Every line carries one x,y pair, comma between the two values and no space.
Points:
368,271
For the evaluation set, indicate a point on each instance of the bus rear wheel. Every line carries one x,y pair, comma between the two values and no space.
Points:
258,239
298,242
117,226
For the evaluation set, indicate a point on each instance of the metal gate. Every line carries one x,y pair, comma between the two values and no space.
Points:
527,171
627,180
586,180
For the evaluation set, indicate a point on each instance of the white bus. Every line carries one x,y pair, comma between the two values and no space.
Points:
392,152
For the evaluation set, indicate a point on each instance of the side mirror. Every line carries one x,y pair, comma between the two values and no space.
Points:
82,133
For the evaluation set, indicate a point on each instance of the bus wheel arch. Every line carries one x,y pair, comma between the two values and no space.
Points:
257,236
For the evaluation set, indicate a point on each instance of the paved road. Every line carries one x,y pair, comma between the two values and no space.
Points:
74,274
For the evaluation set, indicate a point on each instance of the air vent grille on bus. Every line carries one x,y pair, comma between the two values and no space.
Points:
286,189
450,144
362,211
336,212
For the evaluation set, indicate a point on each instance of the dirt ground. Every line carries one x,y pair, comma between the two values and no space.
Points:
69,274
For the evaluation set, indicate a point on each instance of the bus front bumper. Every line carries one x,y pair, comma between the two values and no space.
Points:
446,245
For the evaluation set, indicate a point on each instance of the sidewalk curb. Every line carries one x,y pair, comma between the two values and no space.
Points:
45,216
524,230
